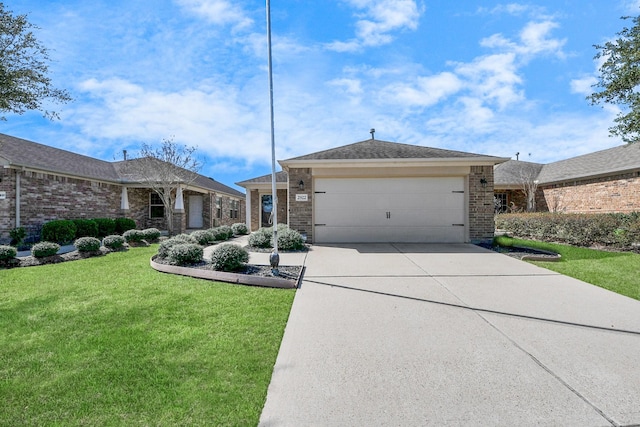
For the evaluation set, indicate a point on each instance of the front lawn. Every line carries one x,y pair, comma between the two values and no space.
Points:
110,341
617,271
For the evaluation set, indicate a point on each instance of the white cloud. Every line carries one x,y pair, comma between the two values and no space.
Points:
214,119
584,85
377,20
425,91
534,40
219,12
631,6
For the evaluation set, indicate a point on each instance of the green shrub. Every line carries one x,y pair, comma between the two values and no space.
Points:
86,228
60,231
151,235
45,249
240,229
124,224
228,257
7,253
106,226
87,244
133,236
290,240
164,247
17,235
618,230
185,238
185,254
203,237
113,242
260,238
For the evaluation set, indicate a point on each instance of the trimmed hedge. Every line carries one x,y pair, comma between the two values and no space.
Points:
124,224
151,235
86,228
106,226
133,236
87,244
288,239
240,229
113,242
204,237
229,257
61,231
185,254
45,249
615,229
7,253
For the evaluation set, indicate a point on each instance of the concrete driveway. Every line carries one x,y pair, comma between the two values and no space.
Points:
415,335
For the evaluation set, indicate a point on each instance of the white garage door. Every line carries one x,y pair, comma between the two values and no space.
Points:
389,210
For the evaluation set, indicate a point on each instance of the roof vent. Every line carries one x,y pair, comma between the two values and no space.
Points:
372,132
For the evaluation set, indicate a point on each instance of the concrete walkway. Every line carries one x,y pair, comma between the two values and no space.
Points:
415,335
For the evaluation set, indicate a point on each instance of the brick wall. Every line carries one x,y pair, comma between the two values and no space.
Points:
620,193
481,207
45,197
301,211
8,205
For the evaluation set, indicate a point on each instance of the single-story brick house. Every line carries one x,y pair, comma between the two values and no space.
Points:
380,191
39,183
604,181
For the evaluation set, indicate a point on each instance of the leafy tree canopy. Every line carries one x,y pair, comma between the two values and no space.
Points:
24,84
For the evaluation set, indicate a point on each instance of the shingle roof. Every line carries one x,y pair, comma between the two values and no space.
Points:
20,152
605,162
281,176
513,172
375,149
601,163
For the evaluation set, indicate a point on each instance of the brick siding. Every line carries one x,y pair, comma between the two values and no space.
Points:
301,212
481,207
46,197
620,193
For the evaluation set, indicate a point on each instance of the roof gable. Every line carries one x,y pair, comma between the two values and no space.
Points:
515,172
373,149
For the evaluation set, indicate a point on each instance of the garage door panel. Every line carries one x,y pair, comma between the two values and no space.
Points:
389,209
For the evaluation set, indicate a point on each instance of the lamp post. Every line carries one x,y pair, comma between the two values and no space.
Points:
274,258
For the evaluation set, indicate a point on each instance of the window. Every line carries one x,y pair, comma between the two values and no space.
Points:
219,207
156,207
235,208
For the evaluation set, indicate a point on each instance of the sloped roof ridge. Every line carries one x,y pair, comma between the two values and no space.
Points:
603,162
22,152
378,149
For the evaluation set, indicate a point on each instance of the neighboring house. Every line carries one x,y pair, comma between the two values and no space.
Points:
39,183
604,181
379,191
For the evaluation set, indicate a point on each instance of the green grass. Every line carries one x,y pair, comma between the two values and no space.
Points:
616,271
109,341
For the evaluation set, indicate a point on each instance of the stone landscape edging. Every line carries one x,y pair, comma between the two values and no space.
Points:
222,276
544,255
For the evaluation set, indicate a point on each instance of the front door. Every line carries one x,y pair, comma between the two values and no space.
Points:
266,210
195,211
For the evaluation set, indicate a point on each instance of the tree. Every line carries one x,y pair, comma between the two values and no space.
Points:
24,84
619,80
165,170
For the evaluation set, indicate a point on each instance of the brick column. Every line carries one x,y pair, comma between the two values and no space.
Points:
481,208
300,211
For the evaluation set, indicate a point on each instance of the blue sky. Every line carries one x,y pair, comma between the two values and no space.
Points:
480,76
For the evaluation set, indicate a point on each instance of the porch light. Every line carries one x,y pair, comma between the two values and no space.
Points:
301,185
483,182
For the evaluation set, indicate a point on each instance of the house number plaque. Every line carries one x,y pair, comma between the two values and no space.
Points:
3,195
302,197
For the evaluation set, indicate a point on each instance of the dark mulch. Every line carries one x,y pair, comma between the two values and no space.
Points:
517,251
31,261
